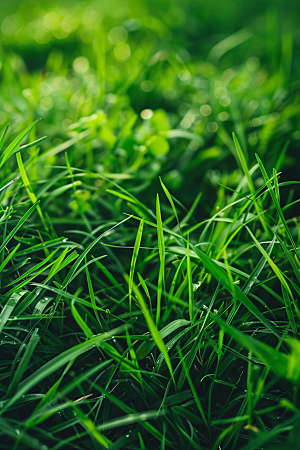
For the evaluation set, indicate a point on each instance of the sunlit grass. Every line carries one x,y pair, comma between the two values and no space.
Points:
149,260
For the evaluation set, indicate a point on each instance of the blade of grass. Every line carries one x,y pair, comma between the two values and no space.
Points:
57,362
134,257
18,226
23,363
277,205
161,249
250,182
153,329
15,143
28,188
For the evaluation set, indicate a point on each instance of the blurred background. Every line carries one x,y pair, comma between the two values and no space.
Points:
139,88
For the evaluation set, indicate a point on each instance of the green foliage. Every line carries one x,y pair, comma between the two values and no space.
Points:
149,263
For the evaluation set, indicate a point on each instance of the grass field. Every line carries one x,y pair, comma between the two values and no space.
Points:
149,252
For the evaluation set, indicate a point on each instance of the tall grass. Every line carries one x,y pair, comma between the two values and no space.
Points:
194,343
149,252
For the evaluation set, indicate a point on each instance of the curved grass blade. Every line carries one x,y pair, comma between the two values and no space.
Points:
18,226
145,348
3,135
281,364
15,143
222,277
23,363
28,187
250,182
161,249
91,427
57,362
134,259
145,287
169,197
153,330
8,309
277,204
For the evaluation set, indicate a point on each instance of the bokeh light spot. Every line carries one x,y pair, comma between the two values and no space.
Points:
205,110
81,64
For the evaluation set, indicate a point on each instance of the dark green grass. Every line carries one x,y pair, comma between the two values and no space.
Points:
149,252
192,344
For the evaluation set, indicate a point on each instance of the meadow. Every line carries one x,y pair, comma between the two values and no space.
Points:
149,251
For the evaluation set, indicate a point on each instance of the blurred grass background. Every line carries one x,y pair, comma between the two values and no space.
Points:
137,89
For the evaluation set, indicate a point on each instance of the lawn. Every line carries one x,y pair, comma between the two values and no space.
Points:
150,227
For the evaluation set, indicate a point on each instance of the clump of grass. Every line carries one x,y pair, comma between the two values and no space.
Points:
149,262
156,330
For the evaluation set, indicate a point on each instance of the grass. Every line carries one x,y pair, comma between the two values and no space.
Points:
91,359
149,260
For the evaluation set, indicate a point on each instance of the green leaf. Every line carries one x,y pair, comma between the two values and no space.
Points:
134,259
222,277
15,143
80,322
153,330
171,202
8,309
18,226
145,348
91,428
250,182
158,145
3,136
161,249
59,361
23,363
283,365
28,187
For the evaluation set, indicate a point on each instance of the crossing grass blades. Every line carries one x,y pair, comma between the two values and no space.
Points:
152,331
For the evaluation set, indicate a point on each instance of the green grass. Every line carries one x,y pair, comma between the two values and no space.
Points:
149,252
